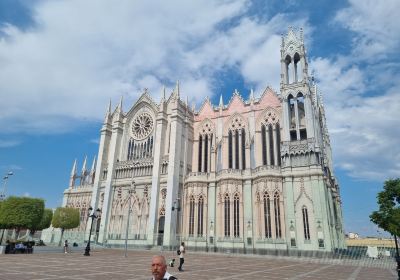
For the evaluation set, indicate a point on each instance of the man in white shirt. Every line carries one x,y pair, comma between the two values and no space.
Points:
181,256
159,269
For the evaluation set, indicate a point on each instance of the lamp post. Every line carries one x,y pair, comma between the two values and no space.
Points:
3,196
130,191
94,215
5,179
176,206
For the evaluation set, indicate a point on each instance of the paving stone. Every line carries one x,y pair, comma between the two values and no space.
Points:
106,264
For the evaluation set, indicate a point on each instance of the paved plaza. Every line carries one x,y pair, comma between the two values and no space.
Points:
111,264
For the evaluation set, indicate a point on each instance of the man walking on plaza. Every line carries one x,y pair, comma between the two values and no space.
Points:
181,256
159,269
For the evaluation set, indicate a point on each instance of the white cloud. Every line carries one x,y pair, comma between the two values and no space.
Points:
376,27
361,92
80,54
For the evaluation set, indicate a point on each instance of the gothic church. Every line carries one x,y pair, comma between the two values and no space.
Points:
250,175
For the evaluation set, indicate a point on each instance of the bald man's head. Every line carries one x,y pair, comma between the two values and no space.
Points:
158,267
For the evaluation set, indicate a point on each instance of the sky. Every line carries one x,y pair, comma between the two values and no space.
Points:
61,62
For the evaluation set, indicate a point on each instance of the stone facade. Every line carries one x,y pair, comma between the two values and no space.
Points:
252,174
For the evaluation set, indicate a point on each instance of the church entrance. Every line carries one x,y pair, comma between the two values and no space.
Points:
160,236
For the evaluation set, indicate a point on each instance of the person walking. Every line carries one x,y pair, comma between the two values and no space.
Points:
181,256
159,269
66,246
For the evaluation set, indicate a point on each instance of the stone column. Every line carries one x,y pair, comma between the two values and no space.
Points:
161,124
115,142
209,159
173,177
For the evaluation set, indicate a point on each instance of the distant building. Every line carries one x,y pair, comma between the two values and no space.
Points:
353,235
253,174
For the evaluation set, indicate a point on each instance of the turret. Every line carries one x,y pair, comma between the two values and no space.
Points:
73,175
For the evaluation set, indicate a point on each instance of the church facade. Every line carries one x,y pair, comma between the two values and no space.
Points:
249,174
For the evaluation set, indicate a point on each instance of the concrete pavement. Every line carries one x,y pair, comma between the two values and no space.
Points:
111,264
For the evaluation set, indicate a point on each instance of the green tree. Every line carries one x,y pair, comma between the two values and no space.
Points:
44,223
388,215
21,213
65,218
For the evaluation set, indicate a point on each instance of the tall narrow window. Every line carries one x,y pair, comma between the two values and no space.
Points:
305,223
271,144
191,215
200,152
243,149
236,149
278,143
236,219
277,211
129,149
264,145
200,216
205,153
227,216
267,216
230,148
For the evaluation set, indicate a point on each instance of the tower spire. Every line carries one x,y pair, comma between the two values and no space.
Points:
73,175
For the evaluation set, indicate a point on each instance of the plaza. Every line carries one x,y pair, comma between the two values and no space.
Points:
112,264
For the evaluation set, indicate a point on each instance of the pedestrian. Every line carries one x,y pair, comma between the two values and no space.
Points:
66,246
181,256
159,269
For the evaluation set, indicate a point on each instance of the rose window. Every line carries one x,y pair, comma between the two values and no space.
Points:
142,126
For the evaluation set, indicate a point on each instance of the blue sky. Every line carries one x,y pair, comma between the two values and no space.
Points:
62,61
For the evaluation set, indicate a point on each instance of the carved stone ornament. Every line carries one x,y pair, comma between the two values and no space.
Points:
142,126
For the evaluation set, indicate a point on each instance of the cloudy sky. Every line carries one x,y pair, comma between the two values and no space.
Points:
61,62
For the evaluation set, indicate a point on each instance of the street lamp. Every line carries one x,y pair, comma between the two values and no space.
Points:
94,215
5,179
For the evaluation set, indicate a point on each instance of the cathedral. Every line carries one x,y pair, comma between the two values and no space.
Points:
248,175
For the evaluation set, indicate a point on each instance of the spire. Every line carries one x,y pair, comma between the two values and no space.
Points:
163,92
73,171
221,102
84,166
93,165
251,95
177,88
73,175
120,104
108,112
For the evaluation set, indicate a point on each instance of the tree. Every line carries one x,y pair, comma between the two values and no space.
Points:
65,218
45,222
21,213
388,215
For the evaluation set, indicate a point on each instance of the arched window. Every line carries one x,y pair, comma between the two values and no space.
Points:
277,210
236,219
264,145
271,144
191,215
302,116
200,152
288,61
236,149
267,216
243,149
206,153
306,225
297,69
278,143
230,148
227,216
200,216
